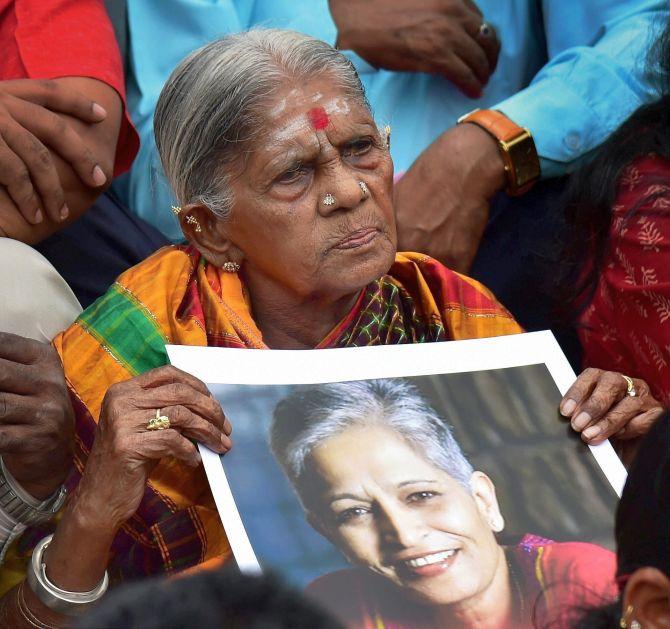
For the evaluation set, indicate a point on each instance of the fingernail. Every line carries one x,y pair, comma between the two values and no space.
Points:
99,176
38,216
226,442
64,212
591,433
581,421
568,407
99,111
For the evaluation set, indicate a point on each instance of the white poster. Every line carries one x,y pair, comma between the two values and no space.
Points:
414,486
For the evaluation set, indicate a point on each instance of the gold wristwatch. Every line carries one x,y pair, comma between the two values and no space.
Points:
522,165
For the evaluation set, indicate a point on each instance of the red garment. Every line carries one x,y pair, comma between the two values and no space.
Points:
47,39
552,584
627,325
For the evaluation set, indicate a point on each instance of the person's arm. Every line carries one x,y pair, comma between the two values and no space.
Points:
123,455
57,163
595,78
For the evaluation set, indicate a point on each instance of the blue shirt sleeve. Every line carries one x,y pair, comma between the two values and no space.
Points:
595,78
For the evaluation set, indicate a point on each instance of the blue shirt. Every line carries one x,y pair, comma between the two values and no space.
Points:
571,71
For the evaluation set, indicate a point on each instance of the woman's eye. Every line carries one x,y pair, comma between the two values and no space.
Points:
291,176
421,496
359,147
349,514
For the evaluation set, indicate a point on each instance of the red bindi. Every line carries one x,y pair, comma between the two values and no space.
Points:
319,118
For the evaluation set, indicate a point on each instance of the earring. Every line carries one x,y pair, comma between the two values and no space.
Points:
231,267
624,623
194,221
387,134
328,200
364,189
175,210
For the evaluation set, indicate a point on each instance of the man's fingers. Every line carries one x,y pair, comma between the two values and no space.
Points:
490,44
608,391
472,54
15,178
195,427
20,349
57,97
462,76
41,168
54,131
16,378
473,7
161,443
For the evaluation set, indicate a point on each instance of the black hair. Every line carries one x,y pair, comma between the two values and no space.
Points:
592,189
642,520
222,599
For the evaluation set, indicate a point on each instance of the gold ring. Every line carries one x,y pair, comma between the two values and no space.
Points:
630,387
160,422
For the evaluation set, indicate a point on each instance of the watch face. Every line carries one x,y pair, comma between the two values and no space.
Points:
523,156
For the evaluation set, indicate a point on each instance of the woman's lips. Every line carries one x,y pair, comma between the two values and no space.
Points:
429,565
358,238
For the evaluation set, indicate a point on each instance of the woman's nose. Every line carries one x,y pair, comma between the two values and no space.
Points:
341,191
400,526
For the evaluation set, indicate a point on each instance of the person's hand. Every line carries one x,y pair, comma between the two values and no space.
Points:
36,418
435,36
442,202
30,125
599,407
124,452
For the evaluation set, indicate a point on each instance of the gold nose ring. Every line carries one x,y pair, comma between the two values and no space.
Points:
328,200
364,189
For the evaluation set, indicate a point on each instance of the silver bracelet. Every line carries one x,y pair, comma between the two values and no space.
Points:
61,601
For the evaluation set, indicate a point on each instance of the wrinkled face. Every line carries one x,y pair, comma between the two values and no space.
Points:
316,141
388,509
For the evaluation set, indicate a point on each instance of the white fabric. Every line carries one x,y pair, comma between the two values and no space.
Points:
35,301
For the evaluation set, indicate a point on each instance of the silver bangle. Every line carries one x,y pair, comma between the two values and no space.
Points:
61,601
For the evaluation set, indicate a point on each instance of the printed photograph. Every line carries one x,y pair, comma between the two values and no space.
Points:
408,502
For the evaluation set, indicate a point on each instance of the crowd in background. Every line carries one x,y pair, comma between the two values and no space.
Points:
244,173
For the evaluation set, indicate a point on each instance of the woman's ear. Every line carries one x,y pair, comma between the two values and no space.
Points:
207,232
484,493
646,599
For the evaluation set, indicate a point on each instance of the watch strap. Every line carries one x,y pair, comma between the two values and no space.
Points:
21,506
517,147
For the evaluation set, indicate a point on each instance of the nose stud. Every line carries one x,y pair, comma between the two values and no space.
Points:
364,190
328,200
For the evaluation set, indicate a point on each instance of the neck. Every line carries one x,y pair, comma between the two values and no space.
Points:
494,608
290,321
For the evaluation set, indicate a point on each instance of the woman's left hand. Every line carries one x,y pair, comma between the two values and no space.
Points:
600,406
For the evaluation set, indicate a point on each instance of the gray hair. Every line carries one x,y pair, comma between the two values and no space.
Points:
310,415
212,106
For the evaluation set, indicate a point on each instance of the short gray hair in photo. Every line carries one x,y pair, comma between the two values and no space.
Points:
211,107
311,414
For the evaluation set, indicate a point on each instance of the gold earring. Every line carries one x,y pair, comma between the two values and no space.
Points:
231,267
624,623
328,199
175,210
387,134
194,221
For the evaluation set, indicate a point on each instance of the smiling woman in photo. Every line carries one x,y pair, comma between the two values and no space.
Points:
380,475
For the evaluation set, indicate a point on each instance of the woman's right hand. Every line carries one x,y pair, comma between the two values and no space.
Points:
125,452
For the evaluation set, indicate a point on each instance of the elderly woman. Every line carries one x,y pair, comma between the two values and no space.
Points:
380,475
285,185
